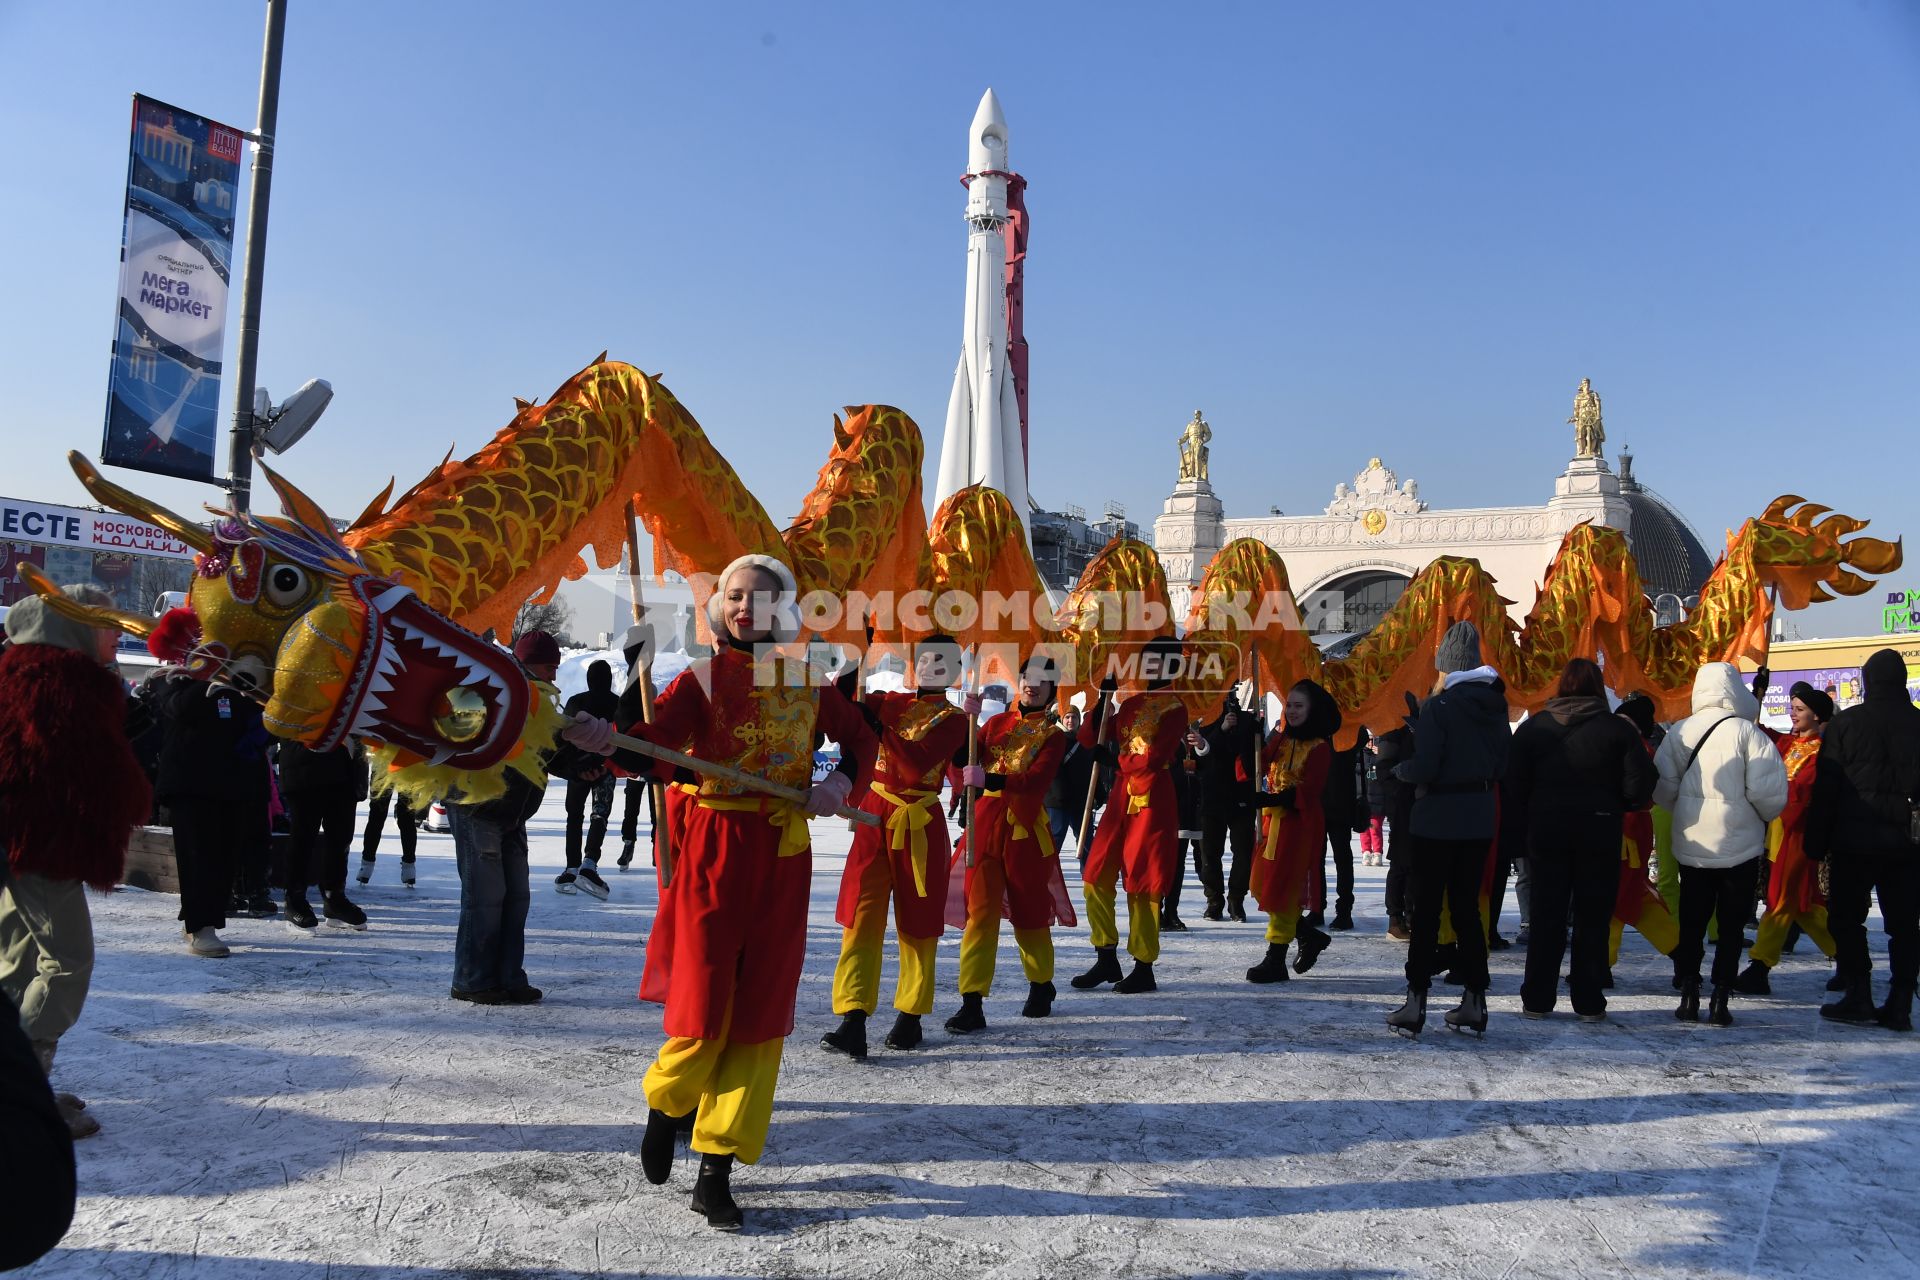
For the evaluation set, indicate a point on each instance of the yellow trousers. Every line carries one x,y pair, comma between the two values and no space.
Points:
1143,919
1283,928
980,940
731,1086
1655,923
1772,934
856,978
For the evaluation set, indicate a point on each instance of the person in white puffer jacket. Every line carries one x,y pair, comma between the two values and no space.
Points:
1723,781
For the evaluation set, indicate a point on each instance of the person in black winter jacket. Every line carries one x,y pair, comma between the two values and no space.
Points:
1864,822
321,790
1345,805
1577,770
1460,747
1228,774
214,785
587,779
37,1182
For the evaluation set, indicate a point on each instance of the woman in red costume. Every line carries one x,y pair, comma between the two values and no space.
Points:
1298,755
1793,886
1008,863
905,861
1138,840
730,936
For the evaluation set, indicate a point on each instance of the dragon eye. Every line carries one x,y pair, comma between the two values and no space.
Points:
286,585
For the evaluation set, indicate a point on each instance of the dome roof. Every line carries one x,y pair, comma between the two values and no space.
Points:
1668,552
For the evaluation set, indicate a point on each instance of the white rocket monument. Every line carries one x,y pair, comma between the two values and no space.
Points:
986,437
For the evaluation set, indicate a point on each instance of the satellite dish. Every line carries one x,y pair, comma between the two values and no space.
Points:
296,417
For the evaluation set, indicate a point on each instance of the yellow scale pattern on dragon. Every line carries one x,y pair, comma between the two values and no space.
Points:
372,632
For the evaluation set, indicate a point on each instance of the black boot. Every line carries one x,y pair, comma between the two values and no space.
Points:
1855,1005
1170,921
906,1032
1836,982
1273,968
970,1018
1312,943
1039,1000
1472,1013
656,1145
1216,910
713,1196
1106,968
1497,943
1409,1019
1342,920
1897,1013
1141,979
1689,1010
1237,911
850,1037
1753,980
1718,1015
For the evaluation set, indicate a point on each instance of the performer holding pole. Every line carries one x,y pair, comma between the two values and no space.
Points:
1138,843
640,682
1011,864
730,937
906,861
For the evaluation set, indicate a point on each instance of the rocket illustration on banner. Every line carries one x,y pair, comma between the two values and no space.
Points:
986,436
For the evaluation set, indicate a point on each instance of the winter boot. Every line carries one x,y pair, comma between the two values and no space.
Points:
1039,1000
299,915
79,1123
1689,1008
1753,980
207,943
1472,1013
1216,910
366,869
1855,1005
1312,943
260,905
1342,920
1497,943
626,855
1897,1013
656,1145
564,882
1836,982
1141,979
1106,968
343,914
906,1032
713,1196
406,872
971,1017
1398,931
1170,921
850,1037
1718,1015
1237,911
1411,1017
591,883
1273,968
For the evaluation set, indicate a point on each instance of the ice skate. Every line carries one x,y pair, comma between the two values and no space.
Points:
1471,1014
1410,1018
342,914
366,870
591,883
300,917
564,883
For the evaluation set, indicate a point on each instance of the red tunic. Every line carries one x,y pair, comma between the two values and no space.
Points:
1025,749
1794,884
1291,840
1141,826
731,930
920,734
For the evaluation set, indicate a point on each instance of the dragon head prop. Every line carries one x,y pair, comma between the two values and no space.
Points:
287,610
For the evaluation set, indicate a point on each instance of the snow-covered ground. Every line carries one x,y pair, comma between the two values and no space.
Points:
317,1107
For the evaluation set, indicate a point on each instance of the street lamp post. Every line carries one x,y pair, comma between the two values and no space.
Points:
246,357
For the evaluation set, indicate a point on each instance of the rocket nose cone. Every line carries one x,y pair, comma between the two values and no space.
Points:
987,136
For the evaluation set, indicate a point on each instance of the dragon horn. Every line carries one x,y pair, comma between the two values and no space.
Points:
128,503
134,624
1778,508
298,506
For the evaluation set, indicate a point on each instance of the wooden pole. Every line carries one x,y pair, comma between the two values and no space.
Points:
1107,713
752,781
973,753
656,790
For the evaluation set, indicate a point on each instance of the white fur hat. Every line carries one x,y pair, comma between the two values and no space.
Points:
786,609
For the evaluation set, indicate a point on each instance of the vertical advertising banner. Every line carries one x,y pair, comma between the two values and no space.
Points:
163,397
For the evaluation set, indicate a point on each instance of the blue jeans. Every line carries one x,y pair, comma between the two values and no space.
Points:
1058,820
491,944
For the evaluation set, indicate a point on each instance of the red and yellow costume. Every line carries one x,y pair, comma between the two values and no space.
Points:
1015,868
1793,888
1287,871
730,935
1138,840
906,860
1637,900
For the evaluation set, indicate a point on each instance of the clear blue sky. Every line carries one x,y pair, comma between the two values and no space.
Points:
1342,230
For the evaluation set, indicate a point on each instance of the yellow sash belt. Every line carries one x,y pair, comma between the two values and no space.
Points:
1137,800
1021,831
1270,847
788,817
907,826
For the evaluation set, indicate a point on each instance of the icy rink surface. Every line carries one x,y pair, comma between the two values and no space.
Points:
317,1107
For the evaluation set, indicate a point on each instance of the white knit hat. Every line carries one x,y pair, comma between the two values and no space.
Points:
786,609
